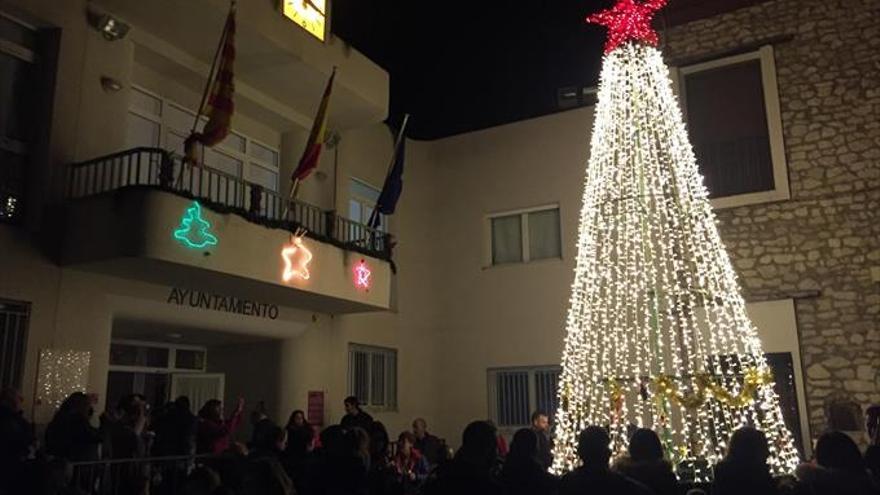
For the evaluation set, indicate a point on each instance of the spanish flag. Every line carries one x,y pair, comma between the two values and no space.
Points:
220,107
309,160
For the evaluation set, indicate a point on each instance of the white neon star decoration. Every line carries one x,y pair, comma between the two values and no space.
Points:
296,259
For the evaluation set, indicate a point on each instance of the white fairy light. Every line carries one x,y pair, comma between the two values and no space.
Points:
655,296
61,373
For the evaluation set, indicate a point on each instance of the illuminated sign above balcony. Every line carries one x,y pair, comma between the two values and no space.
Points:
311,15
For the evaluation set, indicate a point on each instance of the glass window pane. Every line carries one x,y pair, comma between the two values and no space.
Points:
136,355
377,378
234,142
222,162
174,142
733,153
506,239
546,384
123,355
141,132
146,103
16,93
354,210
189,359
264,177
154,357
179,119
391,388
360,376
544,239
264,154
360,190
512,389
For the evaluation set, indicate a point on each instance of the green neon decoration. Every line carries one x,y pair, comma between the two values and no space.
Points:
193,231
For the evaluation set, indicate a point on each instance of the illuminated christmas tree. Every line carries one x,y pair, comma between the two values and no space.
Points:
657,331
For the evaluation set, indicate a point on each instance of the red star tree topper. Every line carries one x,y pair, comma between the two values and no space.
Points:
628,20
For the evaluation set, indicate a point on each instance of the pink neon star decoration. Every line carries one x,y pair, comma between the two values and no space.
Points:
296,260
628,20
362,275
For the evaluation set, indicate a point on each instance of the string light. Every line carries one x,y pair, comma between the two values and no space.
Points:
296,258
61,373
193,230
657,334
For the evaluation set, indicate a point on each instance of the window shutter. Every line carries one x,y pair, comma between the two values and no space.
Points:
513,398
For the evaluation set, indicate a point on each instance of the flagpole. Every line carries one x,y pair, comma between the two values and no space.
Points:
208,85
391,163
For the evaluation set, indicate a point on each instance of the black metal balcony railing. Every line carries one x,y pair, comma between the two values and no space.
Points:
161,169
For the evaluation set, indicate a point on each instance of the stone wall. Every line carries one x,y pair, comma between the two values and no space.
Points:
820,246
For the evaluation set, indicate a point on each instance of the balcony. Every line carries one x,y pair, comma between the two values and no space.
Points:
123,207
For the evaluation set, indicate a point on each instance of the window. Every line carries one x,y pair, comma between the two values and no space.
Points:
156,357
151,369
372,376
155,122
515,393
362,200
527,235
18,77
13,341
737,139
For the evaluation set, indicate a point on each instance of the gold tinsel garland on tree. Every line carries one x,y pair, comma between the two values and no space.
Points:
665,387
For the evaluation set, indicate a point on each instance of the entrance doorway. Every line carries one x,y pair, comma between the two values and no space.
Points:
160,372
164,361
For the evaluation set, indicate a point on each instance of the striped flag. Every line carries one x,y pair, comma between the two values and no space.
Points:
219,107
312,153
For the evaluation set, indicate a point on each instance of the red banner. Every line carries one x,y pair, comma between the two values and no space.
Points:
315,413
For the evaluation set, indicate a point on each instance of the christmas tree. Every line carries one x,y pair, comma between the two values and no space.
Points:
193,229
657,331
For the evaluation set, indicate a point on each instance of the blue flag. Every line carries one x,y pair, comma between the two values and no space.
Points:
387,202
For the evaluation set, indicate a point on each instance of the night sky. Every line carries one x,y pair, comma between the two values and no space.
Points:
470,65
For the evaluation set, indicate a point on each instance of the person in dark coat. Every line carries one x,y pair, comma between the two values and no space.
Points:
262,425
176,430
300,444
70,435
541,427
872,454
337,468
470,472
265,474
429,445
646,464
839,469
126,435
354,415
382,476
594,476
744,469
16,440
523,473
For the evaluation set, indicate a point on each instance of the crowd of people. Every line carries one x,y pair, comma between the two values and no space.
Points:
357,457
